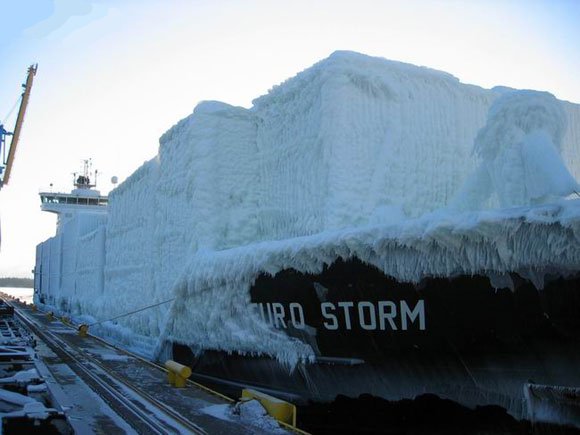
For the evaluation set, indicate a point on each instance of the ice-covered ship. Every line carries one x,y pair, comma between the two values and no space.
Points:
367,226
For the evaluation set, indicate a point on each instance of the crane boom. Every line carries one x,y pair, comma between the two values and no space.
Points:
19,121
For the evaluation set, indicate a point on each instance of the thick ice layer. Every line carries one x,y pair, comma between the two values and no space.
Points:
354,134
532,242
70,264
356,156
519,149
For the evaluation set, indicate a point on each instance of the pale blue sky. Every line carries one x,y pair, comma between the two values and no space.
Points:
115,74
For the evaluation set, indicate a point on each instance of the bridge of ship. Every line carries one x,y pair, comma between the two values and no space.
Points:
48,199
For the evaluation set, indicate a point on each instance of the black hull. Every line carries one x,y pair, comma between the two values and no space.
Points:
458,338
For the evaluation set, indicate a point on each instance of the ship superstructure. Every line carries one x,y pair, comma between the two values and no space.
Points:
74,257
84,198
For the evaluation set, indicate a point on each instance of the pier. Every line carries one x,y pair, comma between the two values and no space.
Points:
98,388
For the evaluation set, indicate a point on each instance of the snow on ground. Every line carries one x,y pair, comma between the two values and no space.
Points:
401,166
21,377
249,412
22,293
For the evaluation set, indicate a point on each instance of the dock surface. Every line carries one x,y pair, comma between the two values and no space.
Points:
103,389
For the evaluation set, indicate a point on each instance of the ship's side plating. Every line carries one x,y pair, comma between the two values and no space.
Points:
459,338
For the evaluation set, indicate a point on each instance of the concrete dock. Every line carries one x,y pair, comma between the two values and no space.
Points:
103,389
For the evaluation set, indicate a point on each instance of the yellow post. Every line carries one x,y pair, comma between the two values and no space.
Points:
279,409
34,307
50,316
65,320
180,381
177,374
83,330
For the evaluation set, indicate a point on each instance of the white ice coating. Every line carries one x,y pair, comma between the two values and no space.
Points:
400,166
519,148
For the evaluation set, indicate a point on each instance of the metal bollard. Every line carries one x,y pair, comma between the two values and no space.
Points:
83,330
177,374
279,409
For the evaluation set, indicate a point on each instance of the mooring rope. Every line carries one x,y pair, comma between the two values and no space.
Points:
133,312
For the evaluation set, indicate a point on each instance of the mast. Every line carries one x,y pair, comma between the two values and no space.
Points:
19,121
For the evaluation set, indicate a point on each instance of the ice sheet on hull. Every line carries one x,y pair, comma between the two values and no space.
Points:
208,186
212,308
72,262
131,253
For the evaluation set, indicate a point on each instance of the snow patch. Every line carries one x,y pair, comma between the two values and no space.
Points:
249,412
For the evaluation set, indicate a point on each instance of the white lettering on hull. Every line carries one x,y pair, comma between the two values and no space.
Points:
371,316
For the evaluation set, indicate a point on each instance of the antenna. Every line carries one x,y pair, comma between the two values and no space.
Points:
84,181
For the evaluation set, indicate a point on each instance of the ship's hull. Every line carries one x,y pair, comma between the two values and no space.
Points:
458,338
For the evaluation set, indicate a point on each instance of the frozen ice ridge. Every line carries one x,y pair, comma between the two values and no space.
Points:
403,167
519,148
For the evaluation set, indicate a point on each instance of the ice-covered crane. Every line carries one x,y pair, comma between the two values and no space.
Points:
8,152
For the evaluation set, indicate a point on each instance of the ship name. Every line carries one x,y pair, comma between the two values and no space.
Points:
344,315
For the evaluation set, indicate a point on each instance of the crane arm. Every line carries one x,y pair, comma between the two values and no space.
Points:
19,121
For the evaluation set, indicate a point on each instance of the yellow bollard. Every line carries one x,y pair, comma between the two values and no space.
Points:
83,330
65,320
177,374
50,316
279,409
34,307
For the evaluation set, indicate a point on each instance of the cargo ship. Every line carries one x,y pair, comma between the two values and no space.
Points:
340,237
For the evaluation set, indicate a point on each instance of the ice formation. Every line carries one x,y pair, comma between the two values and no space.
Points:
355,156
519,148
249,412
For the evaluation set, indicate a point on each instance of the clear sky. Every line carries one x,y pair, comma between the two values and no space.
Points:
114,75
